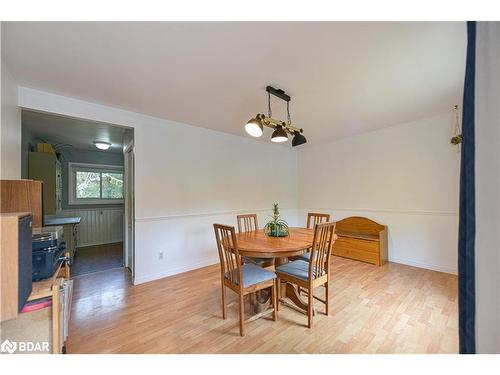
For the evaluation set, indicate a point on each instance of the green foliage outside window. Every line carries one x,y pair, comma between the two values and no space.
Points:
99,185
88,185
112,185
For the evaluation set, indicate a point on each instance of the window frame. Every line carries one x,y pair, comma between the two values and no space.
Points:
73,168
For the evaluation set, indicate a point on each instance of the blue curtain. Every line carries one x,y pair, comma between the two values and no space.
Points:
467,218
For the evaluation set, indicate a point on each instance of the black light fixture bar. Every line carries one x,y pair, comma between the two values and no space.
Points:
278,93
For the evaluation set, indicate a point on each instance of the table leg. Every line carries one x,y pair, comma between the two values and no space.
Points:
291,292
262,300
279,262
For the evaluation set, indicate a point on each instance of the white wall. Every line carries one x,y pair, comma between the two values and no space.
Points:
404,176
186,240
10,153
488,187
187,178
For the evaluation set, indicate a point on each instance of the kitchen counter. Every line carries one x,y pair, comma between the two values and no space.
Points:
70,228
61,220
56,230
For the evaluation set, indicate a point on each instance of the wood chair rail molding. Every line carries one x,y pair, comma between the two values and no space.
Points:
394,211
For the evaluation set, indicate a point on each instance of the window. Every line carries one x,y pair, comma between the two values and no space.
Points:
95,184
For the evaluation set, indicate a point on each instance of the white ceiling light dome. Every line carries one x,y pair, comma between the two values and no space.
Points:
102,145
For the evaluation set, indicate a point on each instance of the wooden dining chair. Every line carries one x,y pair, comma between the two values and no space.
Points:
241,278
249,223
313,218
316,272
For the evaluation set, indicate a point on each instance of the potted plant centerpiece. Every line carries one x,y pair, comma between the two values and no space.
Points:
276,227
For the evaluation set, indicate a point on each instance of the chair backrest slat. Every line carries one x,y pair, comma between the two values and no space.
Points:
229,256
321,249
314,218
247,223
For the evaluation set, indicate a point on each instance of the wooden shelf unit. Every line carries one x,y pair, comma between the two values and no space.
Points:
43,288
51,288
361,239
27,326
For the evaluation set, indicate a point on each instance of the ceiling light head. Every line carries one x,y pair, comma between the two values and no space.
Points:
102,145
279,135
254,126
298,139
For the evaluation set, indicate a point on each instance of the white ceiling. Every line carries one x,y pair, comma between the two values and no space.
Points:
345,78
69,131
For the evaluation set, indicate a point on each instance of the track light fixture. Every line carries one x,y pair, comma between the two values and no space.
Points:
255,126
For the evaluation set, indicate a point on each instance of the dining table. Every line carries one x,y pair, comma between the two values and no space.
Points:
257,244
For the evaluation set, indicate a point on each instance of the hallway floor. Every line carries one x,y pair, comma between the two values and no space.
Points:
97,258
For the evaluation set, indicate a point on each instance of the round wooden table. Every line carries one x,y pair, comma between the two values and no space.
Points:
257,244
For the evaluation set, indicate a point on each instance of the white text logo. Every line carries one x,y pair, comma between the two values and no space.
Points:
8,346
24,346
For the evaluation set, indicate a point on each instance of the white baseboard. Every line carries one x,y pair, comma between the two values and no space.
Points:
140,279
427,266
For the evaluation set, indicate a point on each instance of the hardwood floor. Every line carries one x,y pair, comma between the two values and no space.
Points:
389,309
97,258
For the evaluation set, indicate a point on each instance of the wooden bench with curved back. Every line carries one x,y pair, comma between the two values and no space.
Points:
361,239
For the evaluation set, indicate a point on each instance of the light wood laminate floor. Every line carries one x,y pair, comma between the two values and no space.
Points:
389,309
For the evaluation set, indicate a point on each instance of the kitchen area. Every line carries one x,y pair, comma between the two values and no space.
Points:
64,219
81,165
43,165
36,284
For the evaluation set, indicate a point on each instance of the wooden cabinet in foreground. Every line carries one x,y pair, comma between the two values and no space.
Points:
44,320
22,196
361,239
15,261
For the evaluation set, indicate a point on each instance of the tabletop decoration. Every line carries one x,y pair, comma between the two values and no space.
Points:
276,227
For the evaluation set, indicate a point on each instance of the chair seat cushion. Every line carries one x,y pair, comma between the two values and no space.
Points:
305,257
252,275
257,261
297,268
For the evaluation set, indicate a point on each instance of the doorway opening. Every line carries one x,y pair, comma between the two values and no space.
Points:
87,170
